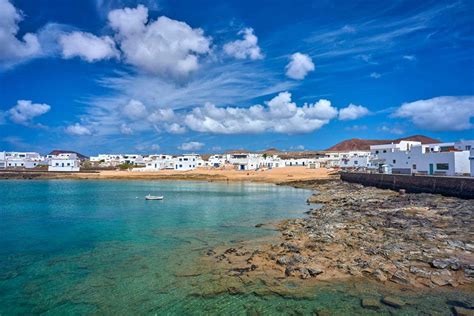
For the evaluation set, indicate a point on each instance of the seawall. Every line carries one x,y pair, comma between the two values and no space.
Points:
462,187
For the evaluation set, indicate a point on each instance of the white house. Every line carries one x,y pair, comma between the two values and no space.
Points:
216,161
185,162
67,162
433,159
20,160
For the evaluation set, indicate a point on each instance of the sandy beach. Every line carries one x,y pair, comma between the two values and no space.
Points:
277,175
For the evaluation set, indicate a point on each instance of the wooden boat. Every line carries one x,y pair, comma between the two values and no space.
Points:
153,197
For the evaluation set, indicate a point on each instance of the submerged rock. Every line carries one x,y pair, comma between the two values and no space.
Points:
393,301
370,303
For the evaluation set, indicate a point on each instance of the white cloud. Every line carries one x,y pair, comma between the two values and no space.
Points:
164,46
12,49
392,130
25,111
299,66
245,48
357,128
134,110
78,130
375,75
87,46
353,112
446,113
175,128
191,146
155,147
409,57
126,130
279,116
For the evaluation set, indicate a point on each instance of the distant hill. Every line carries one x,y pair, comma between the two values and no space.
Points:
57,152
364,144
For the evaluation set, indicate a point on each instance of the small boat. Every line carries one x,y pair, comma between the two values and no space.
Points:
153,197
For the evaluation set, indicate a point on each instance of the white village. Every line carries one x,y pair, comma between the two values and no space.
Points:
402,157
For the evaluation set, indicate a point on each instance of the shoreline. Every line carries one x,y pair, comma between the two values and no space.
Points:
363,233
275,176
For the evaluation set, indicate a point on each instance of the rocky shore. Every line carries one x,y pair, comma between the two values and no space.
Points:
408,240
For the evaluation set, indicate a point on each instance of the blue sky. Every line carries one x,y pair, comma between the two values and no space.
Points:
172,76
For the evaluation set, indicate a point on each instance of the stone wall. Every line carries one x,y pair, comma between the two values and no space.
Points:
462,187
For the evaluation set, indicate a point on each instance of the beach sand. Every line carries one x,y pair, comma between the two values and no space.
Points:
277,175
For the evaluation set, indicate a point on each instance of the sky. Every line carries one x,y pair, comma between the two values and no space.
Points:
131,76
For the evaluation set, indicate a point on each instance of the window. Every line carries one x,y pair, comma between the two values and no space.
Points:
376,151
384,151
442,166
468,147
356,162
394,161
414,167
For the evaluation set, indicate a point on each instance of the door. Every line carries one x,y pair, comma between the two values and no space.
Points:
431,168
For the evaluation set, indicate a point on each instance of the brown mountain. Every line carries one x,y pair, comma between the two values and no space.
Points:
364,144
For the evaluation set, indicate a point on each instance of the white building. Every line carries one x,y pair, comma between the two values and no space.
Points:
471,159
304,162
346,159
185,162
2,160
432,159
66,162
216,161
20,160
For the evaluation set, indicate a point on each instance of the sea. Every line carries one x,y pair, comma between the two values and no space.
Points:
90,247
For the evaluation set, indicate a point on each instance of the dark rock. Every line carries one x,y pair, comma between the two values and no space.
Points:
446,263
259,225
291,247
461,311
289,271
400,278
314,272
230,250
370,303
283,260
393,301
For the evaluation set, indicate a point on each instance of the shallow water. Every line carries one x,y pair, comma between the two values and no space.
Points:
97,247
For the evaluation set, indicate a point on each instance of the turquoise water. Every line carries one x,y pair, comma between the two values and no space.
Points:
97,247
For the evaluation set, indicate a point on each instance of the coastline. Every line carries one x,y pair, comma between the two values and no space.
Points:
276,176
414,241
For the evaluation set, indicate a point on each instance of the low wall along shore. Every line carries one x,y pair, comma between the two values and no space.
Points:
462,187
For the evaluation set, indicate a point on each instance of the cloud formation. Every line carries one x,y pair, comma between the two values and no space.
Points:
245,48
446,113
353,112
78,130
375,75
280,115
12,49
25,111
164,46
299,66
191,146
87,46
134,110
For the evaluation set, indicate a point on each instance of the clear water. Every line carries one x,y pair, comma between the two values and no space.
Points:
97,247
